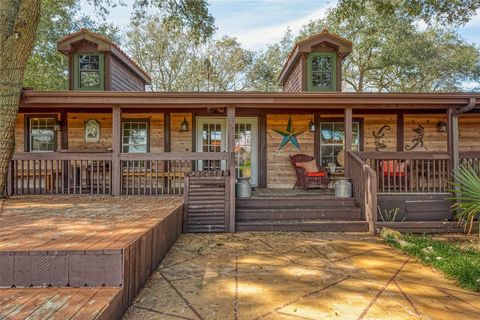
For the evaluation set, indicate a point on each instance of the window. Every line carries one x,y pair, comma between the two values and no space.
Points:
332,136
322,71
89,72
135,136
41,134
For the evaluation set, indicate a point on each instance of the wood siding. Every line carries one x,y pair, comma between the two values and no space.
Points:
76,131
181,140
469,138
294,80
280,173
122,79
373,123
433,139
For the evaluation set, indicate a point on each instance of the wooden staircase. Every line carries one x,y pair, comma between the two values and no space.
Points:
310,212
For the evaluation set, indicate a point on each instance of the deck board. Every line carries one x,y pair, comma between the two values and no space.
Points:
48,223
85,256
60,303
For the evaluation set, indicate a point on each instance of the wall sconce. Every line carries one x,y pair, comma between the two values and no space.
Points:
311,126
442,126
184,125
57,126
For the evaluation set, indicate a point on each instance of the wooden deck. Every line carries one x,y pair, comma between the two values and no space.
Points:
60,303
89,241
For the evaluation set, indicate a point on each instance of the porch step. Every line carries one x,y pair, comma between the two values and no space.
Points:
303,225
294,202
421,226
304,213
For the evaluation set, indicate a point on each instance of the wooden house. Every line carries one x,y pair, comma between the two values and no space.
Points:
107,135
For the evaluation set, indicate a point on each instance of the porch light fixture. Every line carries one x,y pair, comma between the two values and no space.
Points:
442,126
311,126
184,125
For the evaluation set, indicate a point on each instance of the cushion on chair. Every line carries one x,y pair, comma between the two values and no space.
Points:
316,174
391,168
309,166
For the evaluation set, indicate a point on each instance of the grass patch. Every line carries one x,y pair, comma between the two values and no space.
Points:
463,265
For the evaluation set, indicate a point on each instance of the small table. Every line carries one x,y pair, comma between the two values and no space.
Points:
333,178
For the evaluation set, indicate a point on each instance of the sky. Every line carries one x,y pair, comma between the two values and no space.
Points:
257,23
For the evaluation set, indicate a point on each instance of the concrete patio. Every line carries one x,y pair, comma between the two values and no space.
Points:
297,276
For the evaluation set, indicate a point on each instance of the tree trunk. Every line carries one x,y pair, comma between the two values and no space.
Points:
18,26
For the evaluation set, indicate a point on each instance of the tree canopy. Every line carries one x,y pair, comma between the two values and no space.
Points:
175,44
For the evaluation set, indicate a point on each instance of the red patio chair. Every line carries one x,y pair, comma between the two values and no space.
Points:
308,175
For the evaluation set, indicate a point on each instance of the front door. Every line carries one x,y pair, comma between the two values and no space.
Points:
212,137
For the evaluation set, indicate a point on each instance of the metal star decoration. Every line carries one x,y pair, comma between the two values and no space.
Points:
290,135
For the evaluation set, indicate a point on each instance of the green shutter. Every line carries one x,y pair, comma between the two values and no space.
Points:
333,76
76,72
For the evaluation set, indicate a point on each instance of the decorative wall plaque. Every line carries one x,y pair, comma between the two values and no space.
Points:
417,141
92,131
379,135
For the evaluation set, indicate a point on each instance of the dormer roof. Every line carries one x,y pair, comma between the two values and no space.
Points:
66,45
342,46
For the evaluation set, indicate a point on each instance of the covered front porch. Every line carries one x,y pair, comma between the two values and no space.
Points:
146,144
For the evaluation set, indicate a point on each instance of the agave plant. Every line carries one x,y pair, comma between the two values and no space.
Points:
466,189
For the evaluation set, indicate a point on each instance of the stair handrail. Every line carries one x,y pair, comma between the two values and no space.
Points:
364,181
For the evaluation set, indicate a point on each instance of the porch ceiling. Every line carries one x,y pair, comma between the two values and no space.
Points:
70,99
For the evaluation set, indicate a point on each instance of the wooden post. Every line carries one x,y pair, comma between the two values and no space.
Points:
453,138
231,166
400,131
64,146
348,135
167,132
10,180
116,146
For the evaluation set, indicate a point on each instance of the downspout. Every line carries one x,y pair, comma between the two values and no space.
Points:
471,104
455,156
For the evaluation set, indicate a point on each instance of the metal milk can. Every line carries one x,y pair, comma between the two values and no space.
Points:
243,187
343,187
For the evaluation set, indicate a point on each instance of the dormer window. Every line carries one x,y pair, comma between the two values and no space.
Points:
89,71
321,71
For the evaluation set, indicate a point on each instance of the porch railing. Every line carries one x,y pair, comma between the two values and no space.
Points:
60,173
409,172
92,173
364,180
162,173
471,158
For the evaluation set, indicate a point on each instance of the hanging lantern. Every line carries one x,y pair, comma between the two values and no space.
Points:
311,126
184,125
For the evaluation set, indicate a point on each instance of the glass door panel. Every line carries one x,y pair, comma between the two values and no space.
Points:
211,137
246,148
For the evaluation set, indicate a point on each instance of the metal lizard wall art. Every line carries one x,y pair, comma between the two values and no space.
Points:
417,141
379,143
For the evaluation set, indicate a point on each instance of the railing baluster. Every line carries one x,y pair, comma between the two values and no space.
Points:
156,177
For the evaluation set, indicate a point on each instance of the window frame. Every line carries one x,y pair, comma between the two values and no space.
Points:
27,135
313,55
101,71
147,121
318,133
